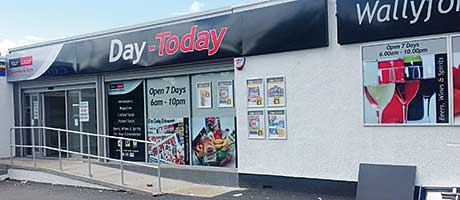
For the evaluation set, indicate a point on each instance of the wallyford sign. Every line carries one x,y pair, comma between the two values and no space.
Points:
372,20
295,25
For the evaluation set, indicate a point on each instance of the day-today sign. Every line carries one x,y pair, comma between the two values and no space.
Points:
288,26
372,20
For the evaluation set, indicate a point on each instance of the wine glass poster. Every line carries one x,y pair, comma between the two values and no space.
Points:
456,76
255,88
276,120
276,91
256,124
406,82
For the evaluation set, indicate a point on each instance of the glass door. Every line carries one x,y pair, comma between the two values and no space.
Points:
82,116
32,117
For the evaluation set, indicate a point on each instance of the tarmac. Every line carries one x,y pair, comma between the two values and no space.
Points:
15,190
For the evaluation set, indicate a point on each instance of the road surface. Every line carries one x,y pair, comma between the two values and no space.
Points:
14,190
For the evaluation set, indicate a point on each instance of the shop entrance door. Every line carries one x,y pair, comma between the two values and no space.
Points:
73,109
54,117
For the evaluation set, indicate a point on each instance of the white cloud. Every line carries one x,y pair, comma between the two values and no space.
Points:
196,6
6,44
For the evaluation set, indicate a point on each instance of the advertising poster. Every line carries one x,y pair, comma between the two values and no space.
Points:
214,142
456,76
276,91
173,132
84,111
168,109
255,92
225,92
276,124
256,124
406,82
204,96
126,119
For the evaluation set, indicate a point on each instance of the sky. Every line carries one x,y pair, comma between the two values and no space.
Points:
26,22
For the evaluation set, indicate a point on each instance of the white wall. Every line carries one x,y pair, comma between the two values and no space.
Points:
6,116
326,136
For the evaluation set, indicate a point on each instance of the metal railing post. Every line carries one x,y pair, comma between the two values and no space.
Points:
21,138
89,157
158,169
67,143
33,147
59,147
121,162
11,144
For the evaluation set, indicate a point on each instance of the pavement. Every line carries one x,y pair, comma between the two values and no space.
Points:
15,190
111,178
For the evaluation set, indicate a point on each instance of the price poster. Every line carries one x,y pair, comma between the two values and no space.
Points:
126,119
255,89
168,109
276,124
276,91
456,76
225,92
406,82
204,95
256,124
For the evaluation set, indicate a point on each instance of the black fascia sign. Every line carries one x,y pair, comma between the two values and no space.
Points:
373,20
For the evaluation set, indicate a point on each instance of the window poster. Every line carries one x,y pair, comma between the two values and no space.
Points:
255,89
204,95
276,91
168,111
172,131
225,92
276,120
456,76
214,141
256,124
84,111
126,119
406,82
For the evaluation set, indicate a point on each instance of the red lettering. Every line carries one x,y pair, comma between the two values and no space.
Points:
190,38
203,41
25,61
216,40
161,37
174,40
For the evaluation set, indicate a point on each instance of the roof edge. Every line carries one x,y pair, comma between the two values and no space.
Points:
172,20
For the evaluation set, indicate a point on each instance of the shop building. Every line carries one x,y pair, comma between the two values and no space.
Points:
273,93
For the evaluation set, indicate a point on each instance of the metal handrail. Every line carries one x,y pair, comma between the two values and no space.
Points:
89,155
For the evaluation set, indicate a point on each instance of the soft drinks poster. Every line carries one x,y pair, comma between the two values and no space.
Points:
214,141
406,82
456,76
